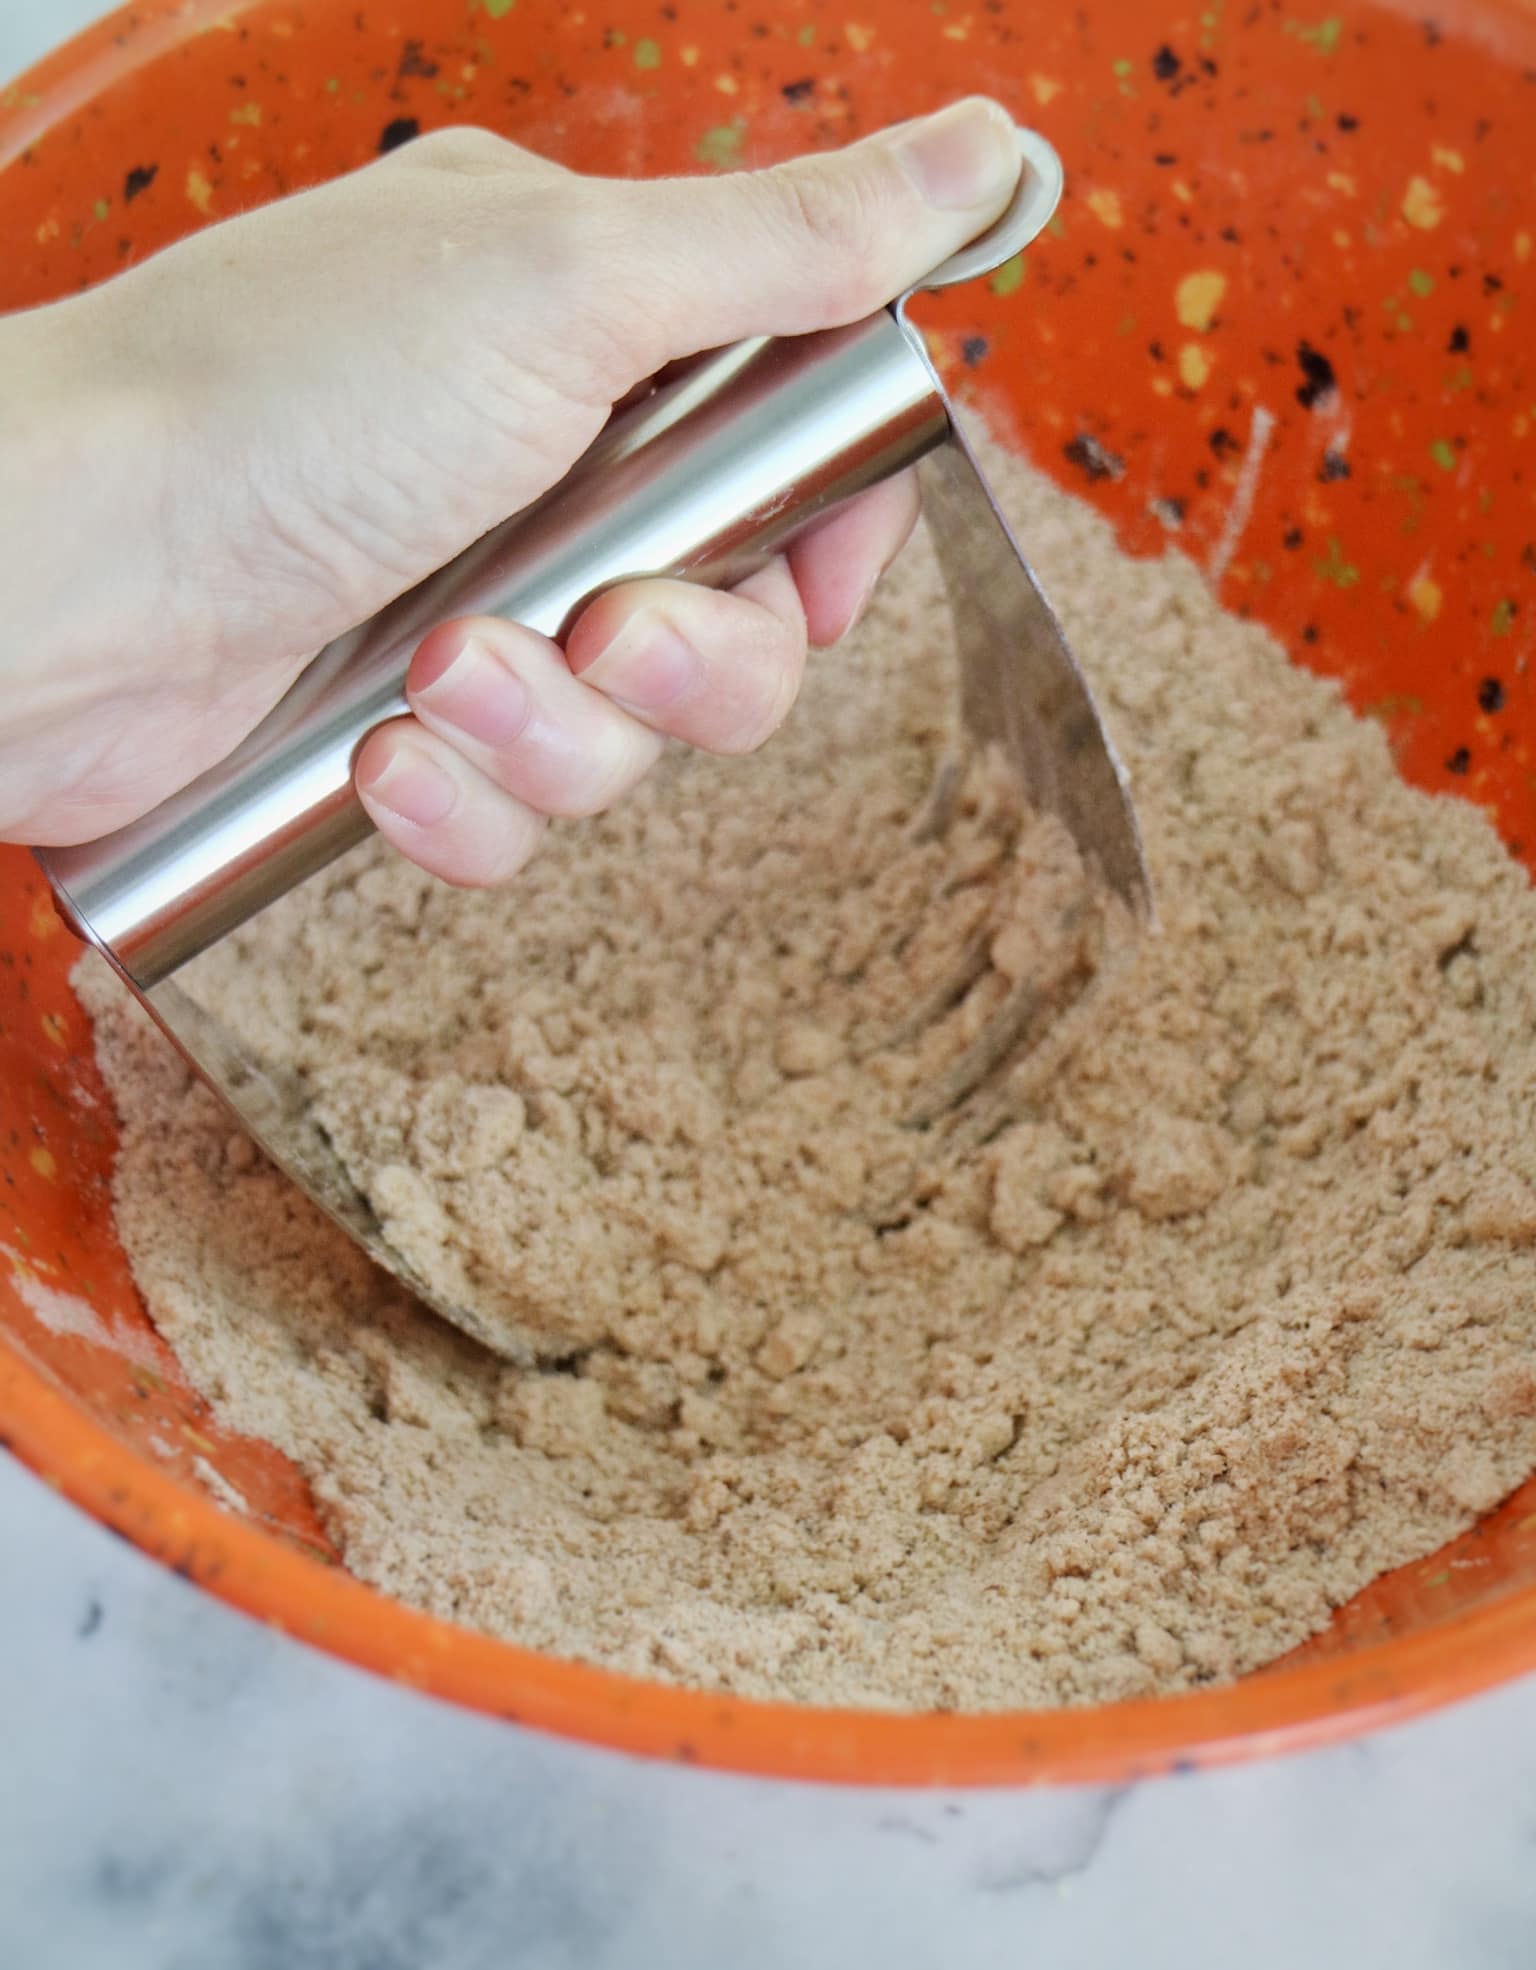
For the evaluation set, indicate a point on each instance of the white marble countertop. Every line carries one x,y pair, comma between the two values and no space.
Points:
185,1789
182,1789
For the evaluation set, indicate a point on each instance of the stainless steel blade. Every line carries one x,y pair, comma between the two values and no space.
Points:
1020,684
271,1104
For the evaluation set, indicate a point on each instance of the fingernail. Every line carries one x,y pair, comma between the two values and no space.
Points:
478,694
647,666
965,156
413,786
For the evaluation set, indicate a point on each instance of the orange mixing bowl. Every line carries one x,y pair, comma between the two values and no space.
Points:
1283,319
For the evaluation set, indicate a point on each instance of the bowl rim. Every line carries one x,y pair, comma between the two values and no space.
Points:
1274,1711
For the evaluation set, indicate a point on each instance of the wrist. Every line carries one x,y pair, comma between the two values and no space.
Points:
82,449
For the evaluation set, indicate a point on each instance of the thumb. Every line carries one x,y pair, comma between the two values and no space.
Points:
816,242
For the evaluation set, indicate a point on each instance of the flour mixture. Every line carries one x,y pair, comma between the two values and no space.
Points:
1238,1310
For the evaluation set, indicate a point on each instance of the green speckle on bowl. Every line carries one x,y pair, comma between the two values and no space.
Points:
721,147
1324,35
1333,567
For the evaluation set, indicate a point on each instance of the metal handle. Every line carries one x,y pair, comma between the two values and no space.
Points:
706,478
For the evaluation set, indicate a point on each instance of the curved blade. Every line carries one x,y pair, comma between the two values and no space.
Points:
1020,684
271,1105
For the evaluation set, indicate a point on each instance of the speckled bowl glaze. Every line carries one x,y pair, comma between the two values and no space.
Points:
1283,319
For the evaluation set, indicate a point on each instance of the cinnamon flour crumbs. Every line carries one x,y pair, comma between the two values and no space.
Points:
1236,1311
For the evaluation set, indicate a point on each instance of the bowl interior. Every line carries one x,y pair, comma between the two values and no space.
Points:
1278,322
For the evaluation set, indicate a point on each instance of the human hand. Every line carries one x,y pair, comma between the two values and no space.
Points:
231,454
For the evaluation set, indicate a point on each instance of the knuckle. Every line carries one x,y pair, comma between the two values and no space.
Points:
844,214
612,766
765,706
509,849
464,150
625,330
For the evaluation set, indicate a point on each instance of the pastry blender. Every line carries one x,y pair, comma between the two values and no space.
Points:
705,478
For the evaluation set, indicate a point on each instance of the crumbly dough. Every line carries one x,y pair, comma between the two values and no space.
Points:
1235,1311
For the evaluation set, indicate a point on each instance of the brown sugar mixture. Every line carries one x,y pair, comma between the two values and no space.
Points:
1236,1309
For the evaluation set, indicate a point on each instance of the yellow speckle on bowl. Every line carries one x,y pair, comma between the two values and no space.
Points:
1104,204
1449,160
1197,297
42,1161
1194,365
1421,205
1522,246
859,38
1341,181
1043,88
200,192
1425,597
